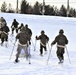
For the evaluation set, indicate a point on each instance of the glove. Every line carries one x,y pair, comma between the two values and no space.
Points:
29,43
36,37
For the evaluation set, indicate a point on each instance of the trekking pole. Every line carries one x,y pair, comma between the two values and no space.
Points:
34,45
49,55
48,46
29,53
12,51
68,55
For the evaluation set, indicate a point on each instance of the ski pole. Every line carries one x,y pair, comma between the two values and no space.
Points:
48,46
34,45
68,55
29,53
12,51
49,55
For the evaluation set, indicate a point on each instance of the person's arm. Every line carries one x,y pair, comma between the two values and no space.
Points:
55,40
37,38
66,41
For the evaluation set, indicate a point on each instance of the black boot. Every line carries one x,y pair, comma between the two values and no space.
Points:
16,60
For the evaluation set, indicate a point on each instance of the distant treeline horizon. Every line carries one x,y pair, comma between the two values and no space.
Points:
39,9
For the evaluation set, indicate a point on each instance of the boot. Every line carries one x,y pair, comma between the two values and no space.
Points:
41,55
16,60
60,60
6,44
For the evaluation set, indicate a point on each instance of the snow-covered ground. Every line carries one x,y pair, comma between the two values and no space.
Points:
51,25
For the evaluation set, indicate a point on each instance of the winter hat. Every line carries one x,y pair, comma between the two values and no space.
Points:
26,25
22,24
42,32
61,31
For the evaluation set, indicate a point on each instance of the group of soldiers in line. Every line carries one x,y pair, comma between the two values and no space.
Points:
24,37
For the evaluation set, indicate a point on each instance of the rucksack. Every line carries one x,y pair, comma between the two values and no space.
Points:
61,40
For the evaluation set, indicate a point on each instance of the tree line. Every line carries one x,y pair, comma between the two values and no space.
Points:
37,8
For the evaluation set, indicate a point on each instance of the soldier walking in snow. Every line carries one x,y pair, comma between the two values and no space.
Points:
23,43
29,32
14,26
21,26
43,41
4,34
2,22
61,41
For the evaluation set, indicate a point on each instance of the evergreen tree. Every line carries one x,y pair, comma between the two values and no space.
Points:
30,10
24,7
37,8
56,11
72,12
47,7
63,11
4,7
49,10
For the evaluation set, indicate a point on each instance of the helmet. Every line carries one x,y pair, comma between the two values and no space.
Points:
61,31
42,32
21,24
14,19
26,25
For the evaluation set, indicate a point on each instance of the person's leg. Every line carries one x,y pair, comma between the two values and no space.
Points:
26,51
41,49
2,41
2,38
60,54
12,30
18,53
6,40
16,30
45,49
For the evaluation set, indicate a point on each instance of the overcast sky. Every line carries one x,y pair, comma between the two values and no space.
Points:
57,3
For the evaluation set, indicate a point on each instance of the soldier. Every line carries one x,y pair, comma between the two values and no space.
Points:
23,43
4,34
43,41
2,22
14,26
29,32
61,41
19,28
